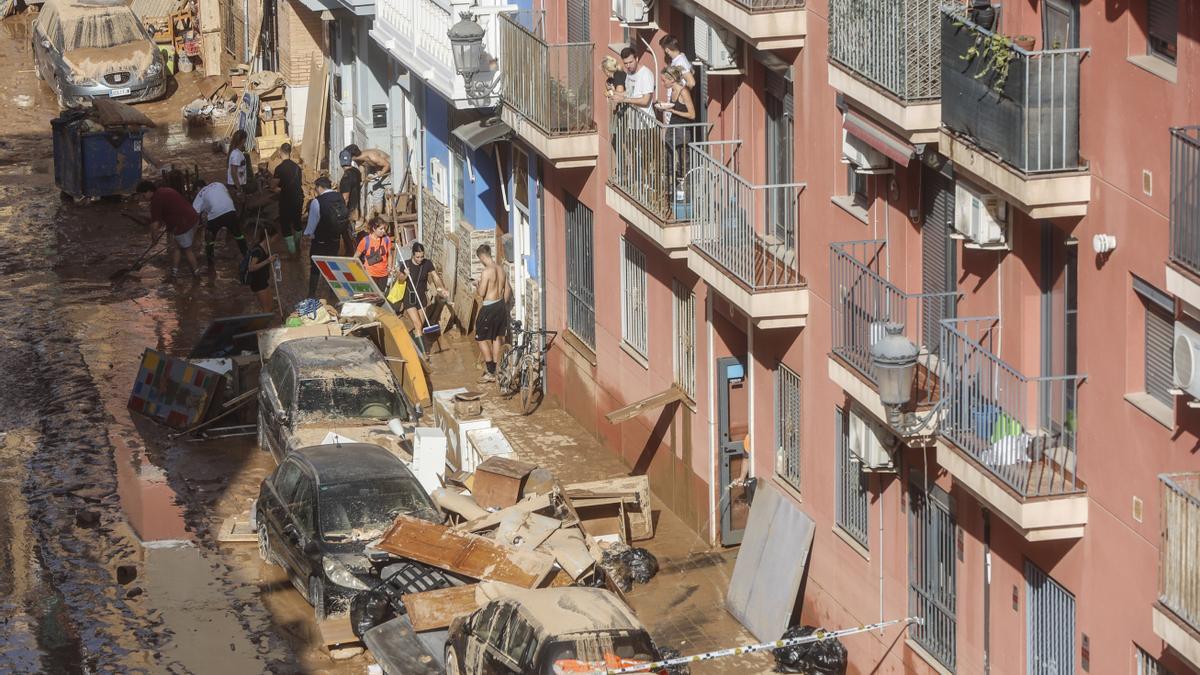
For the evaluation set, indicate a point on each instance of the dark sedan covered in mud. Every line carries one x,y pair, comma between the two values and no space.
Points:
317,511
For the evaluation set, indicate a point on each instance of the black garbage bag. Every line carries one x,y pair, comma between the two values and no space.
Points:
612,561
382,602
369,609
642,564
824,657
666,653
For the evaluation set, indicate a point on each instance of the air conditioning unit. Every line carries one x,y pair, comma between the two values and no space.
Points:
716,47
1186,360
861,155
980,217
633,12
864,443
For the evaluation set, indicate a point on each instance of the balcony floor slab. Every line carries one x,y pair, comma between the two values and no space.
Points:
778,308
1180,637
670,237
564,152
776,29
914,122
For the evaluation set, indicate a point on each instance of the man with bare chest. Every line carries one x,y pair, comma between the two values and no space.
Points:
493,294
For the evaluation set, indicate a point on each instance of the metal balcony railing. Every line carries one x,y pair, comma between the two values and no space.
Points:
726,212
895,44
1179,550
769,5
650,161
864,302
1020,105
549,85
1021,429
1185,197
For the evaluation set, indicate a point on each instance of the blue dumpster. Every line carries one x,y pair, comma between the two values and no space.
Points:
93,161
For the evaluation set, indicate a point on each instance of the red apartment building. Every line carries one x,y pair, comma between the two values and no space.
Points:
1025,217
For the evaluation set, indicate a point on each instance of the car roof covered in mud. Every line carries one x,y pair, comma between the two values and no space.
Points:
568,610
351,462
335,356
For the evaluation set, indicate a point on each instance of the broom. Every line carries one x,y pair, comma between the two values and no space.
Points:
429,327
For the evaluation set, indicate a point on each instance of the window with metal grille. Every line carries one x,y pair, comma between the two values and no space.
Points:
1049,624
578,28
683,317
1144,664
1158,368
931,571
232,26
851,485
787,425
1162,28
634,320
581,293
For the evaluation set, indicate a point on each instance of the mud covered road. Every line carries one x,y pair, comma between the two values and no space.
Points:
86,487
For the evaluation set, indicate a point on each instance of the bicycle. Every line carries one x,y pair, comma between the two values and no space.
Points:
523,366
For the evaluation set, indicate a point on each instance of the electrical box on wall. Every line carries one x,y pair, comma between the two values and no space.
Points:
981,218
437,180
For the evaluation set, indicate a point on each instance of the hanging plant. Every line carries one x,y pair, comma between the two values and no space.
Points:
997,53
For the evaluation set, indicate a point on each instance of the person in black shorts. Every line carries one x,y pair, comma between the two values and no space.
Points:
418,271
289,179
491,324
259,270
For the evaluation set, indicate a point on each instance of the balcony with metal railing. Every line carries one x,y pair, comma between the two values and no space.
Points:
864,303
1010,117
648,186
547,91
1183,268
765,24
744,237
886,56
414,32
1011,438
1176,616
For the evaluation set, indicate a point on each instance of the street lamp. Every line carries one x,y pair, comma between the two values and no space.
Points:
895,361
466,44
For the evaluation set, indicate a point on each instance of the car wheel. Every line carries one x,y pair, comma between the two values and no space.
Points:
452,662
316,597
264,545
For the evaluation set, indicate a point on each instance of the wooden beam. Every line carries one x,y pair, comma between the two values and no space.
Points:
436,609
466,554
647,404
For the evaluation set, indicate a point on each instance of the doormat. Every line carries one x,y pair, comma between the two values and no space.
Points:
171,390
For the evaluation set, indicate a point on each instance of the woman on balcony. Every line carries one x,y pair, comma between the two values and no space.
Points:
678,111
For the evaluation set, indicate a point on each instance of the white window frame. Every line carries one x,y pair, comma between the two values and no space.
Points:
683,318
635,326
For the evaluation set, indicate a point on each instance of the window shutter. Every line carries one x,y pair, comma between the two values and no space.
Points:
937,255
1163,19
578,29
1160,333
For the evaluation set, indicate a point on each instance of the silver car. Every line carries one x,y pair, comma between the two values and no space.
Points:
96,48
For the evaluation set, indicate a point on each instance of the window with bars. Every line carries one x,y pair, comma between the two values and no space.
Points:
1162,28
581,293
931,571
787,425
1144,664
232,26
851,485
1159,327
1049,624
683,317
634,320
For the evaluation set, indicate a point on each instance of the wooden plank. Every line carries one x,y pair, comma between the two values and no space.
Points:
570,551
525,531
398,342
463,553
313,143
336,631
647,404
493,519
432,610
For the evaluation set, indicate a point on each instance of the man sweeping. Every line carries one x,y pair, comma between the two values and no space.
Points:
494,295
417,272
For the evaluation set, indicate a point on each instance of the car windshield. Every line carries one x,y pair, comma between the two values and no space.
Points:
100,31
361,511
582,652
347,398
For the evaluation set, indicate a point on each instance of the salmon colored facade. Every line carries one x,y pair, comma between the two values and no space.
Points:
1038,468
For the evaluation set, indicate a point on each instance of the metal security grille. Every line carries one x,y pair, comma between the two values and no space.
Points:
1147,665
684,319
634,321
581,290
787,425
894,43
851,484
931,573
1160,334
1185,197
578,29
938,251
1049,624
1163,27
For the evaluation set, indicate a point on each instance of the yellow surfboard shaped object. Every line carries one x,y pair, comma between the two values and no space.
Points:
412,373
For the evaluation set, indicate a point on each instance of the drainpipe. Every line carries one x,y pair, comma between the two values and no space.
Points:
541,246
712,419
245,31
987,591
750,360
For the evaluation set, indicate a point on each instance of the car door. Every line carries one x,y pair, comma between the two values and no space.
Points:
487,622
275,394
517,646
272,507
300,528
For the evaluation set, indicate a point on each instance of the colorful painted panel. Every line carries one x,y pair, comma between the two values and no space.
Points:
217,341
346,276
171,390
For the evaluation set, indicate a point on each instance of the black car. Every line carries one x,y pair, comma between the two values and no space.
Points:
319,509
548,631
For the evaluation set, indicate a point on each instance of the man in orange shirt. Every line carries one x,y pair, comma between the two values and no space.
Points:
375,250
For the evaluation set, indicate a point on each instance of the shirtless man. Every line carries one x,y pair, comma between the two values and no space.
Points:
493,293
373,162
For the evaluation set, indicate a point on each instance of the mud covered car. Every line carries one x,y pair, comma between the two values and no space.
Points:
317,511
549,631
96,49
311,387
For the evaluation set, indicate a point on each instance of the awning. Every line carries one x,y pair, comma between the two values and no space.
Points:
479,133
877,137
647,404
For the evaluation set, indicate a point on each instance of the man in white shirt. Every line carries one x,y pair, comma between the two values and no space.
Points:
676,57
216,209
639,82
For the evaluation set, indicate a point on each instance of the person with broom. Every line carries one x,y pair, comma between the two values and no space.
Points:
417,272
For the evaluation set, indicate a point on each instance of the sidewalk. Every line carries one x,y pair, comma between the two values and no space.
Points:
683,606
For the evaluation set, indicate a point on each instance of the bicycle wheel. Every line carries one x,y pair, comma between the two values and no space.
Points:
531,385
508,376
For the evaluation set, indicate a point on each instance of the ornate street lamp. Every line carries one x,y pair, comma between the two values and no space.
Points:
466,44
895,361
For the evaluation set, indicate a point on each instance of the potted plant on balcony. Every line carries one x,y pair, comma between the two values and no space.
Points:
1025,42
996,51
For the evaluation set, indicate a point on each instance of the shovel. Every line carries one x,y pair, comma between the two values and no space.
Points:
120,274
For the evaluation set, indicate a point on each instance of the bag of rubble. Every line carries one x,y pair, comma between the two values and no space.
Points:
614,566
668,653
642,564
823,657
